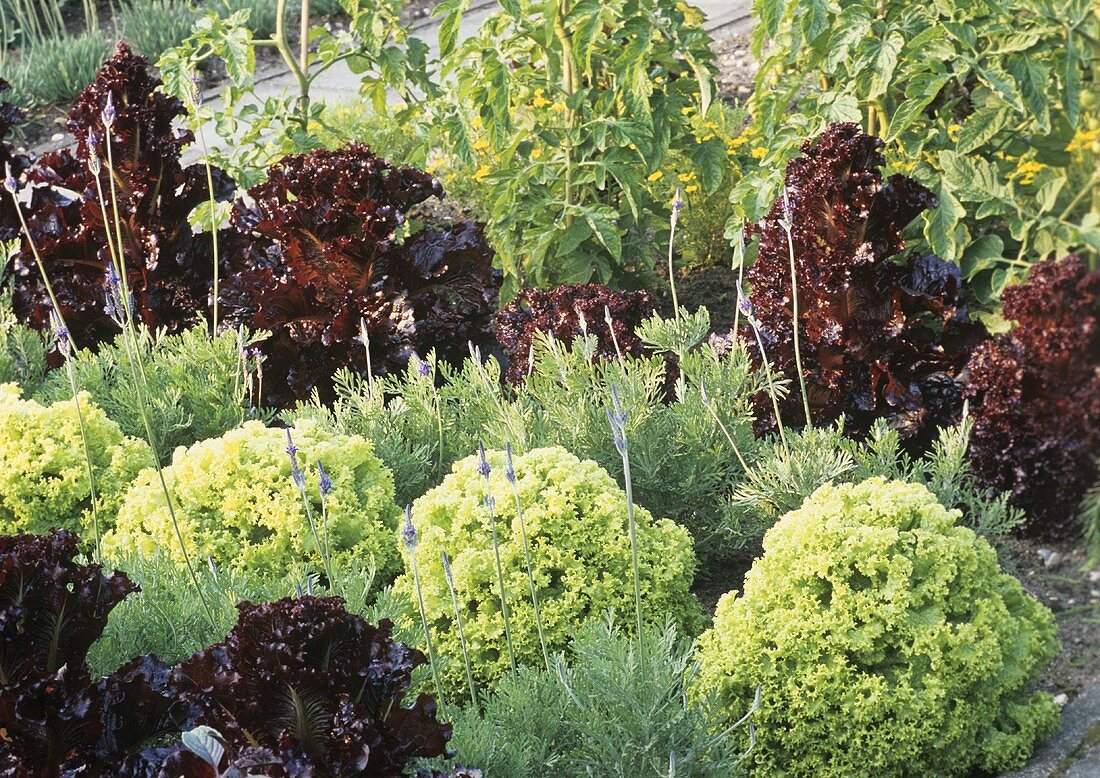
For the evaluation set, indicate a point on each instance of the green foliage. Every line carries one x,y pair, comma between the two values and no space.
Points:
255,132
152,27
987,103
22,352
562,111
886,642
611,708
43,469
54,70
197,385
574,516
680,449
236,502
780,480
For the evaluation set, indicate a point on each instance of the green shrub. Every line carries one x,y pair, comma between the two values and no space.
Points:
54,71
615,710
43,469
681,457
576,524
984,102
152,27
886,642
198,386
783,475
237,504
22,352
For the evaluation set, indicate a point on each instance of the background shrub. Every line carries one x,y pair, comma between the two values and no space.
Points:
998,132
575,517
22,351
154,26
53,71
237,503
43,470
886,641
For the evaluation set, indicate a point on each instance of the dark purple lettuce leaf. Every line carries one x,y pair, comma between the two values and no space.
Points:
1036,397
316,254
10,161
559,312
55,719
169,268
318,687
879,338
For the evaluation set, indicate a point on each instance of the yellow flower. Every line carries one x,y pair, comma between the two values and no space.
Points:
656,175
738,142
953,131
685,177
692,188
759,152
687,110
482,171
536,153
1082,140
481,145
1026,170
477,124
558,107
540,100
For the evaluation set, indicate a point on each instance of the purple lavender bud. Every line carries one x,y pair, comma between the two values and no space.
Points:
296,473
109,111
677,202
94,165
743,303
9,180
483,468
616,403
408,533
447,568
617,435
509,468
325,482
490,503
423,368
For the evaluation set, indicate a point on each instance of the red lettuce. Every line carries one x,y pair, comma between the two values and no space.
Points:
55,720
560,312
1036,396
317,687
318,254
10,162
878,338
169,268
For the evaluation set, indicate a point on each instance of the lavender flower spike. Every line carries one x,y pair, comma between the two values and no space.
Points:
295,471
325,482
109,111
9,180
483,467
509,468
408,533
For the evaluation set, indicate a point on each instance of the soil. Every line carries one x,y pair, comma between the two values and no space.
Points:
736,66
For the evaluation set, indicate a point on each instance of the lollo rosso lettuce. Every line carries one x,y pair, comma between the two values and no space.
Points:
121,123
565,312
1036,396
318,261
878,338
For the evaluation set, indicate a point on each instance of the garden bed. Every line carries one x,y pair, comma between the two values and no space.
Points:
586,396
